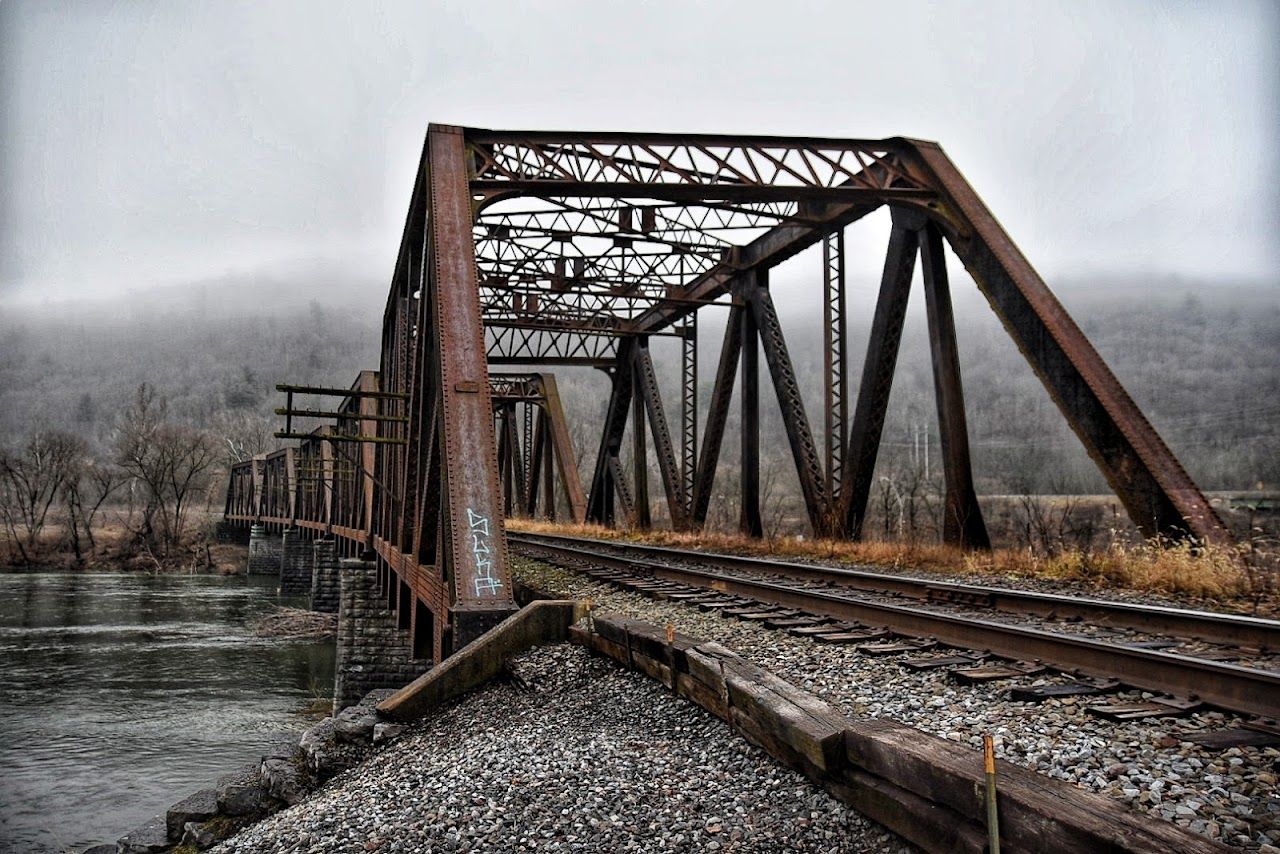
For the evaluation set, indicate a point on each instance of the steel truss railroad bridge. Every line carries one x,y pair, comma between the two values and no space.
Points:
576,249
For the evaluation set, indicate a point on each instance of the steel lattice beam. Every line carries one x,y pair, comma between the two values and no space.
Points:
578,249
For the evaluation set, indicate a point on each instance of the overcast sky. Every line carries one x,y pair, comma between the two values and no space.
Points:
155,143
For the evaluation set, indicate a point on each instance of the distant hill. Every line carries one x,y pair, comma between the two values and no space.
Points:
1202,360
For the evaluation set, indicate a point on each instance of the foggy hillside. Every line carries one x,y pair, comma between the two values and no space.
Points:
1202,362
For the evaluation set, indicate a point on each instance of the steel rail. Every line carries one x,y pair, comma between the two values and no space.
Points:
1233,629
1227,686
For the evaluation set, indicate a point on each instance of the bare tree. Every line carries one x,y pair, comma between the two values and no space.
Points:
773,501
190,459
244,434
138,455
30,481
172,463
86,489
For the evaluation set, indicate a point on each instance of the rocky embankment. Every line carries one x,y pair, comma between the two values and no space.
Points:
568,753
573,754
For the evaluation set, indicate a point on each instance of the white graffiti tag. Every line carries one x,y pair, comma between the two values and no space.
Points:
485,583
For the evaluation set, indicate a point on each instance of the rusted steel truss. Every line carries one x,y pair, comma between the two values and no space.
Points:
535,452
586,249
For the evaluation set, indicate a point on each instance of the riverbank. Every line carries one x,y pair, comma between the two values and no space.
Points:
197,559
115,547
576,755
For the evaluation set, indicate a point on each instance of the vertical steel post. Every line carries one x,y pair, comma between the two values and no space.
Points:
689,411
749,519
518,463
639,453
717,415
648,394
538,439
506,456
291,484
426,541
804,450
526,439
600,501
549,482
877,374
475,537
962,517
566,458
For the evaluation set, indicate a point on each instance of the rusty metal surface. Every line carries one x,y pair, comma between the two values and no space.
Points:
580,249
835,374
962,522
804,449
877,375
1159,495
474,530
717,415
664,447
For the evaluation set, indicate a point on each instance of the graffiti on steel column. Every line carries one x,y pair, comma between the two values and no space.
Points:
485,583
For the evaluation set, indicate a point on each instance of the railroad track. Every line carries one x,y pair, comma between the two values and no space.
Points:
892,614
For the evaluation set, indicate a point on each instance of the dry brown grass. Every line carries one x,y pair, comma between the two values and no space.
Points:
117,550
1224,574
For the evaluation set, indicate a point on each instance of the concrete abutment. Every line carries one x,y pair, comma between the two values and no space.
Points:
373,651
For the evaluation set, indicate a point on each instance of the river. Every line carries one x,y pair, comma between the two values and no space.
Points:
121,693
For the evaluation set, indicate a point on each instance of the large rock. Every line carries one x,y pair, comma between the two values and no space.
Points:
201,806
376,696
241,792
150,838
196,835
355,724
324,754
284,771
317,744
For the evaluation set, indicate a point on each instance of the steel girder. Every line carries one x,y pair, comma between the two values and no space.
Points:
577,249
531,458
717,415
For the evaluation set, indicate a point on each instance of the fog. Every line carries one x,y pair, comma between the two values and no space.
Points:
152,144
209,198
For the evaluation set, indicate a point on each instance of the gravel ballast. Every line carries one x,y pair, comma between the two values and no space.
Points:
1228,795
587,758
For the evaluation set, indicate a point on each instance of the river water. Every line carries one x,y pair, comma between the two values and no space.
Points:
121,693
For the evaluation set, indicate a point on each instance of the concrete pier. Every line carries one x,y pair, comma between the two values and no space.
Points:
372,651
264,551
296,559
326,580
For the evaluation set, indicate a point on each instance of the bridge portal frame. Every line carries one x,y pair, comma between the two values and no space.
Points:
576,249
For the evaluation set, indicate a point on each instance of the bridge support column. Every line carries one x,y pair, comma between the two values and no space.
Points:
296,558
264,552
326,586
373,651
